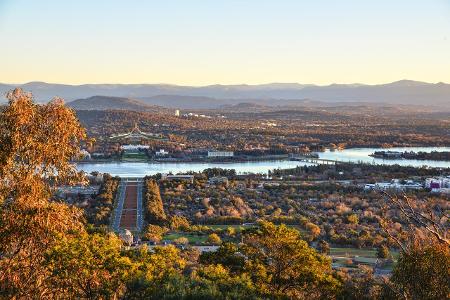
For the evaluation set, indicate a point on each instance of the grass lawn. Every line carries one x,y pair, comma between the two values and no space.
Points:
224,227
138,156
350,252
193,238
241,227
358,257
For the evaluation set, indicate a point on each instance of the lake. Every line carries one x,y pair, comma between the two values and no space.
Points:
362,154
140,169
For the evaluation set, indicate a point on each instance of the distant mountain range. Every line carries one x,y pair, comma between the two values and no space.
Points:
276,94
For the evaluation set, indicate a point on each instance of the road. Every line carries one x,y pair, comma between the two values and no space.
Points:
129,210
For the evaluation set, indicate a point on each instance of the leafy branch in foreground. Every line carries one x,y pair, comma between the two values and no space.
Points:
422,270
36,145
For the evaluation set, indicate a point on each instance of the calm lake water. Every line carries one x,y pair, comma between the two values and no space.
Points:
140,169
362,154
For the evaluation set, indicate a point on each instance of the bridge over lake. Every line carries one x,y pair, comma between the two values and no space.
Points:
314,160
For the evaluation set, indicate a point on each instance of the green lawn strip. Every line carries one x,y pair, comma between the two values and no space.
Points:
192,237
134,157
351,252
238,228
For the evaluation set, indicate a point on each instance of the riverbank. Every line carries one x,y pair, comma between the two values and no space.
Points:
234,159
433,155
362,155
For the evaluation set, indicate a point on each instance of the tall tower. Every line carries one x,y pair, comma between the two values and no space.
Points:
177,113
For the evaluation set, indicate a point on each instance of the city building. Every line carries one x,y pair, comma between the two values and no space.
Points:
177,113
161,152
395,184
136,135
438,184
134,147
189,178
218,180
72,191
220,153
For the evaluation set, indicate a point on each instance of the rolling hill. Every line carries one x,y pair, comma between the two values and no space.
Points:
400,92
112,103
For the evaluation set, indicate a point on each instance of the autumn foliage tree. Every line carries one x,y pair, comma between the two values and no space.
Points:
422,270
36,145
154,210
282,264
88,266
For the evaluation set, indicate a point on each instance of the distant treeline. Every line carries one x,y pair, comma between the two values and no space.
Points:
434,155
358,170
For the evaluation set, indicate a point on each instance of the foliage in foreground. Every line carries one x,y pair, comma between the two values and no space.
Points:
46,252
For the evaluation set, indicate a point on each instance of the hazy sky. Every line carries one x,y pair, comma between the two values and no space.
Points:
199,42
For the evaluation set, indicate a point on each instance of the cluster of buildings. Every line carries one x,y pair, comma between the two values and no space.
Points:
394,184
220,153
194,115
190,115
181,177
438,184
435,184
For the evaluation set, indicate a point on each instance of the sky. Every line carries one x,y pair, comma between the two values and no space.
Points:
202,42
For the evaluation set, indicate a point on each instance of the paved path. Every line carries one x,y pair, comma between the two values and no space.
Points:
118,210
140,207
129,211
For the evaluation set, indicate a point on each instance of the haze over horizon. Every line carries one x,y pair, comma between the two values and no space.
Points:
233,42
404,80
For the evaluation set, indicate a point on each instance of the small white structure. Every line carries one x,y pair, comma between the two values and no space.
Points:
181,177
202,249
126,236
134,147
177,113
84,154
220,153
395,184
162,152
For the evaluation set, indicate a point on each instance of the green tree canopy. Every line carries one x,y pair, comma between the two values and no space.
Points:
281,263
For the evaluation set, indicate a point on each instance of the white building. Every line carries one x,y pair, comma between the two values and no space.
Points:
84,154
395,184
126,236
134,147
162,152
177,113
220,153
437,182
181,177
